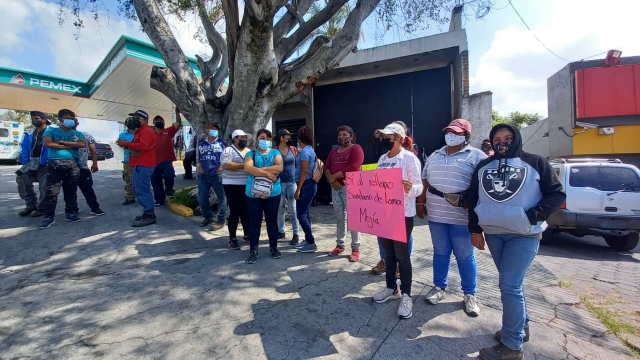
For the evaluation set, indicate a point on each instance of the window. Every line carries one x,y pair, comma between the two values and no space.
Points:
4,132
604,178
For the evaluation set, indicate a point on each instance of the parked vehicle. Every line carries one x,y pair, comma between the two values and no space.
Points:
603,199
104,151
11,134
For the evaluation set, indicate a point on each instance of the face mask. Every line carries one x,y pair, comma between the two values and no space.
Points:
289,142
264,144
134,124
502,147
242,144
37,123
159,125
387,144
344,140
453,139
213,133
69,123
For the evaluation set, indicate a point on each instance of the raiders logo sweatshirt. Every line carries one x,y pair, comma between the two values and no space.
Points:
513,193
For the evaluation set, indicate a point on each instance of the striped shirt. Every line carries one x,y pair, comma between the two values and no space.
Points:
233,177
410,166
450,174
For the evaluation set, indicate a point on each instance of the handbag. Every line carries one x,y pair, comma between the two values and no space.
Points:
262,186
318,170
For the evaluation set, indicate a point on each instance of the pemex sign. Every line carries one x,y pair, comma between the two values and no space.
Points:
43,82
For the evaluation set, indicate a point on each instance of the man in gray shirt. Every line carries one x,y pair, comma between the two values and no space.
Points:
85,181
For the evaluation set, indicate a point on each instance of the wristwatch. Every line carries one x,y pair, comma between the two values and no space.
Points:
60,142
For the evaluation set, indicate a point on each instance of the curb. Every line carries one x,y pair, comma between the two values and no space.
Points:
180,209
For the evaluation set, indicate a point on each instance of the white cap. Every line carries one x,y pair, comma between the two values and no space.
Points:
240,132
392,128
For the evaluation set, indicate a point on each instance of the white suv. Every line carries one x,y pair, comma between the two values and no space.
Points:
603,198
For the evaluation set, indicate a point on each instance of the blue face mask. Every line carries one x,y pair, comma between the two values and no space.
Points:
213,132
264,144
69,123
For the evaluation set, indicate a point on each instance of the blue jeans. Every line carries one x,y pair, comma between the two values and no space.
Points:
288,190
447,238
512,255
163,170
142,187
257,207
308,191
383,254
206,182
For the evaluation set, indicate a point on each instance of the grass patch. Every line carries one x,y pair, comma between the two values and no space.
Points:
182,197
617,327
566,284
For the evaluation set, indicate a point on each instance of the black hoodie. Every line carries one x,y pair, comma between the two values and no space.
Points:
513,193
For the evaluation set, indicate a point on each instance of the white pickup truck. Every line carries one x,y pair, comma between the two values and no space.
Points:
603,199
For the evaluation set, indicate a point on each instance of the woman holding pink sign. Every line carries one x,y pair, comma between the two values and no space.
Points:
393,136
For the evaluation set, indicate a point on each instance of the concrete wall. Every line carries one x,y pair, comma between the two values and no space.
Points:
534,140
560,103
477,109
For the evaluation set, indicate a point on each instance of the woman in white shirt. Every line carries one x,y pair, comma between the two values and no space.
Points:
397,253
234,182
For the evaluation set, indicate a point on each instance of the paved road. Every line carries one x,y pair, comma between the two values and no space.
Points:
101,289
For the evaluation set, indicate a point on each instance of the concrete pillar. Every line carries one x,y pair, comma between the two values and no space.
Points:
477,109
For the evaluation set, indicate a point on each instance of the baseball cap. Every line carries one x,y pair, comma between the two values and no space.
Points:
140,113
240,132
392,128
459,125
42,115
282,133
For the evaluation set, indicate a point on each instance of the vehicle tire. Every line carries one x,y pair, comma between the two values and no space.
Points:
547,237
626,243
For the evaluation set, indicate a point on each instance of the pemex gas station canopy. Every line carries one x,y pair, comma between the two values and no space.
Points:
118,87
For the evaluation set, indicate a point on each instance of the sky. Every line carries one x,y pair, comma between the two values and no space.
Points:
504,56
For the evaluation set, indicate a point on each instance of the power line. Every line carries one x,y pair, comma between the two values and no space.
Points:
534,35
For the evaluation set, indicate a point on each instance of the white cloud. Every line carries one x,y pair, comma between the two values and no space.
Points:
16,16
5,61
102,130
516,66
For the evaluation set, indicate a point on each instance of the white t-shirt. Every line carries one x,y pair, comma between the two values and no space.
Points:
410,166
233,177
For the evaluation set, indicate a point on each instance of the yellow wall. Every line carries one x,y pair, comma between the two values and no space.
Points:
625,140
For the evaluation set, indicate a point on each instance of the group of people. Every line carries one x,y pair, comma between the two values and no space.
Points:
56,157
498,197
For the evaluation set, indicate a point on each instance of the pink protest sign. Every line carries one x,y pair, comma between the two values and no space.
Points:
375,203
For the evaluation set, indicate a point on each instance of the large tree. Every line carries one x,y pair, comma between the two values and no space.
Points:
255,51
517,118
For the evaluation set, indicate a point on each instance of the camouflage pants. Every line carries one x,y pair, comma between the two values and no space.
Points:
25,186
127,176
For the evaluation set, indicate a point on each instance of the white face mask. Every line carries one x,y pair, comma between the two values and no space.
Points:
454,140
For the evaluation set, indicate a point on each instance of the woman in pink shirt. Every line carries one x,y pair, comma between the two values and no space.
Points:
348,157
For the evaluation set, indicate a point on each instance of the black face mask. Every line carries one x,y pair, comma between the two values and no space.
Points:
290,142
387,144
134,124
242,144
37,123
159,125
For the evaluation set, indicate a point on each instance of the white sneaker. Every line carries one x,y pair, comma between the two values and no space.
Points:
471,305
386,294
405,308
434,295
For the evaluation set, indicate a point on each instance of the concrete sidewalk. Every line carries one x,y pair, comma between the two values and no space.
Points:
101,289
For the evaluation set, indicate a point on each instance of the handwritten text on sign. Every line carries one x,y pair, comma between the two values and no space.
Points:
375,203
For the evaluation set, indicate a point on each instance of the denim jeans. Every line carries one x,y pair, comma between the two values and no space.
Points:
163,170
447,238
61,174
288,190
383,254
85,184
308,191
512,255
142,187
257,207
339,199
397,255
206,182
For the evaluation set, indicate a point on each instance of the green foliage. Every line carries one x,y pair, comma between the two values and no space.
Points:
517,118
182,197
25,118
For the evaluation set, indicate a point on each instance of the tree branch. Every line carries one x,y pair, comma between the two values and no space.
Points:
288,21
295,13
212,79
287,46
232,23
156,27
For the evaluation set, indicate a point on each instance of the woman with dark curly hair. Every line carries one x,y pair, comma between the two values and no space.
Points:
306,187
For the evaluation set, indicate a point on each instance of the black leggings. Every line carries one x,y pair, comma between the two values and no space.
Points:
237,209
398,255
